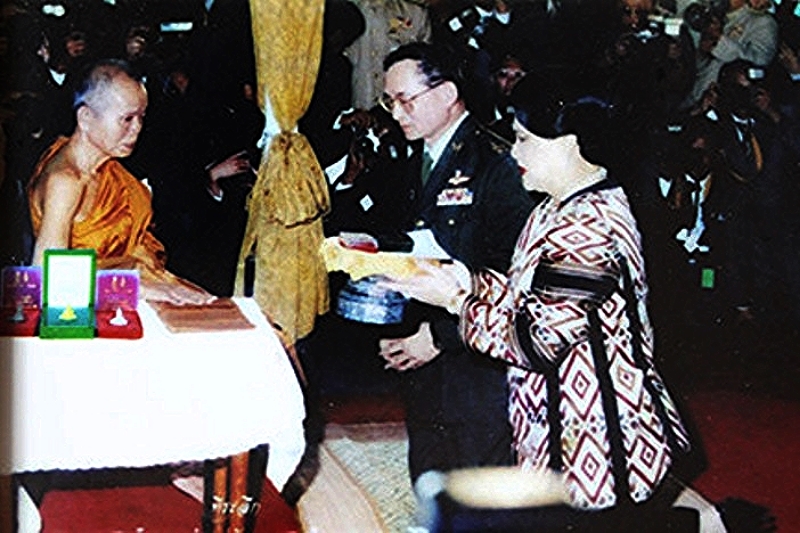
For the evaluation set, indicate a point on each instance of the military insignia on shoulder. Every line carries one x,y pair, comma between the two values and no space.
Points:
498,147
497,143
457,146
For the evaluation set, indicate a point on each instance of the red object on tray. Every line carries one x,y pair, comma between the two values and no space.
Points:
154,509
107,329
28,327
359,241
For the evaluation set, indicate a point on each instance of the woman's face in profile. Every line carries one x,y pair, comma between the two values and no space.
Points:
538,158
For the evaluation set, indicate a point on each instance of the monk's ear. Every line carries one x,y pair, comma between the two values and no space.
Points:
83,114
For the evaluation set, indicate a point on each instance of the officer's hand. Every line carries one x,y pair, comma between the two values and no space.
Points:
411,352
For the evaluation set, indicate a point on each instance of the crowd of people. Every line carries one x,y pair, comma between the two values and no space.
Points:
691,108
656,65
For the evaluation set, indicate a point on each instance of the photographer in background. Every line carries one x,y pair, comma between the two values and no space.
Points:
643,72
752,212
747,31
367,185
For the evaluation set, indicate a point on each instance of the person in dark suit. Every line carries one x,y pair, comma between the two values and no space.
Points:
480,31
469,196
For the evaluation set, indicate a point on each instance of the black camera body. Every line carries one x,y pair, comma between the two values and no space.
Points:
361,144
698,16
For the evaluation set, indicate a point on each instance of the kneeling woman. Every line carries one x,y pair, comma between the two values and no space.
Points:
569,318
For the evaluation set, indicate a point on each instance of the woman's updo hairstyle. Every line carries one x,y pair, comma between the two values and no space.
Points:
547,110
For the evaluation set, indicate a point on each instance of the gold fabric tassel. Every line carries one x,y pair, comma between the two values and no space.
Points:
290,196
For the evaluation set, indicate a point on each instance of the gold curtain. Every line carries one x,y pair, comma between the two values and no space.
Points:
290,196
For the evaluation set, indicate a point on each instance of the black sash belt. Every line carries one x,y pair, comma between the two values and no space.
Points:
585,285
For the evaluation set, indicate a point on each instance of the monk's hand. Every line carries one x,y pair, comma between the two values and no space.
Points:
410,352
438,284
180,293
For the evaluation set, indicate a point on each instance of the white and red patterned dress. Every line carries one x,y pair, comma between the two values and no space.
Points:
570,320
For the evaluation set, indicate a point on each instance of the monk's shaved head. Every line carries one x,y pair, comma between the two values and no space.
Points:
99,80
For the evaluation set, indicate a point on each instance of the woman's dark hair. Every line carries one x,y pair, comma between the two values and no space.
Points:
548,111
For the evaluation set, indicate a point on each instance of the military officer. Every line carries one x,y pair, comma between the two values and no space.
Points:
469,195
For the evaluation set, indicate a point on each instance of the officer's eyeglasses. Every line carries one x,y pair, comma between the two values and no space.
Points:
406,103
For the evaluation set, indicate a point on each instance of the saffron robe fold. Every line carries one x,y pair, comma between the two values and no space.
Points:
117,226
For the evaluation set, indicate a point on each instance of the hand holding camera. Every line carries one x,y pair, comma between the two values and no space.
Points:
789,59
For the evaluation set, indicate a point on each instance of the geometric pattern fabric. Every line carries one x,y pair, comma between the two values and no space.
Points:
593,232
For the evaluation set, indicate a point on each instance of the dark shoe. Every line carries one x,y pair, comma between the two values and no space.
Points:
742,516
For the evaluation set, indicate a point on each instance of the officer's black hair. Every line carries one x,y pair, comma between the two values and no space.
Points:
438,63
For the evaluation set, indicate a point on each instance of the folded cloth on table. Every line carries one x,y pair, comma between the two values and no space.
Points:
220,315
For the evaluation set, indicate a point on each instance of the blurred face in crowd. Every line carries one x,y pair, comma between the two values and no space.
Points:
75,44
759,4
509,75
634,13
113,118
698,158
738,93
135,46
423,111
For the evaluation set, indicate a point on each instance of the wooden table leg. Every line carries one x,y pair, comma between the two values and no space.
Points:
8,504
232,491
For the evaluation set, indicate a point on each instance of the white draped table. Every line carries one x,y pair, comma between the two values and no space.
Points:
168,397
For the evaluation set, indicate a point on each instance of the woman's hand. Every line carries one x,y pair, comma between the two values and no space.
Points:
438,284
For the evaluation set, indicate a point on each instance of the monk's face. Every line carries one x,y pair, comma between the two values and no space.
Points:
115,120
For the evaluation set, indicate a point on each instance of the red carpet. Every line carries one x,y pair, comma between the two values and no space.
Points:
752,443
154,508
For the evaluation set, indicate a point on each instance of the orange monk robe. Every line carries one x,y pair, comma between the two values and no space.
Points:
117,226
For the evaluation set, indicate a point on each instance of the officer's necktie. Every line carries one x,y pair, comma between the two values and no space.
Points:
427,164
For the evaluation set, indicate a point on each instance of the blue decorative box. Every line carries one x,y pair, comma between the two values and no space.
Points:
367,301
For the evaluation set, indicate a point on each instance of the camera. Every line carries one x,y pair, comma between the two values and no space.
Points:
755,74
698,16
362,144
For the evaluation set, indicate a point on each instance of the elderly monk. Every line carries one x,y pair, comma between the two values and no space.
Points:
82,197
